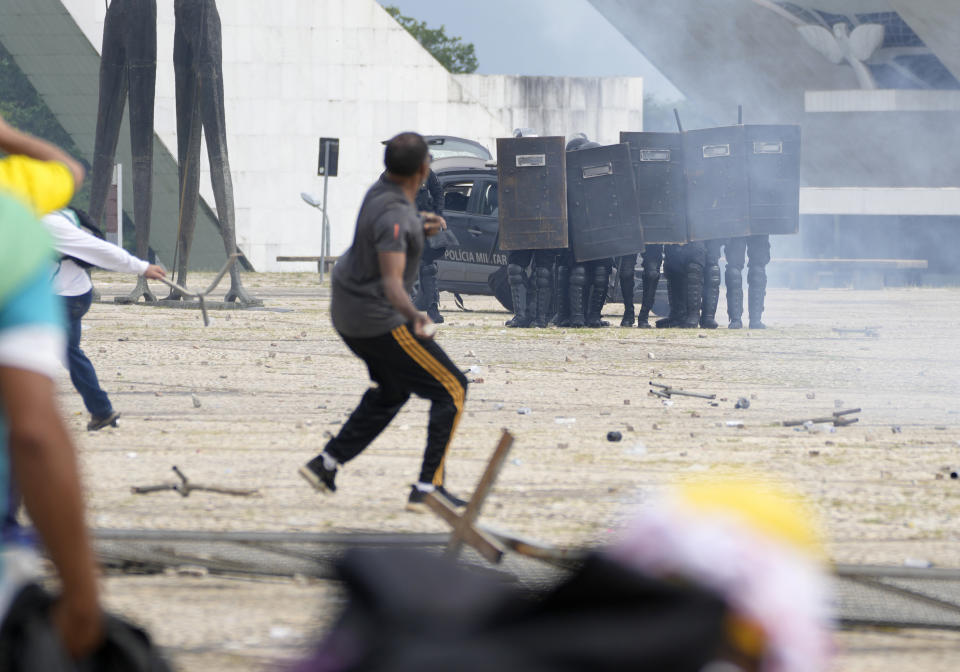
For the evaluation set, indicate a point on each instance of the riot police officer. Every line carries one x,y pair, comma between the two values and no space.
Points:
538,288
651,259
588,280
711,284
683,265
757,250
430,199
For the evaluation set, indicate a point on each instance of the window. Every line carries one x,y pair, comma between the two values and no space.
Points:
456,195
489,202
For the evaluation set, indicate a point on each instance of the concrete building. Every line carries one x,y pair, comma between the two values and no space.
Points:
875,85
294,71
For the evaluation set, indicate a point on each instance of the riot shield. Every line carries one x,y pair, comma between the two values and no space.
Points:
661,189
532,176
718,203
602,203
773,166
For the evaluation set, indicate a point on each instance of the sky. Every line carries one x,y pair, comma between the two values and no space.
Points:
539,37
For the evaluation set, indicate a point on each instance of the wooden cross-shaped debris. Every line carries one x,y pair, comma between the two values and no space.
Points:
185,487
465,530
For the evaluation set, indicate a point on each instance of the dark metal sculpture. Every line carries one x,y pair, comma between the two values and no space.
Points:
129,64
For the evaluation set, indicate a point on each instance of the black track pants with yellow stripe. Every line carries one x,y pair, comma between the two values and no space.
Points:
401,364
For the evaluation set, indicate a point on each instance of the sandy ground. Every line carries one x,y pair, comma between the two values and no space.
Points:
271,383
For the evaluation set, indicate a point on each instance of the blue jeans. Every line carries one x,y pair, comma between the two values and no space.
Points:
82,374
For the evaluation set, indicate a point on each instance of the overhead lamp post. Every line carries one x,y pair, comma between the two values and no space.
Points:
324,229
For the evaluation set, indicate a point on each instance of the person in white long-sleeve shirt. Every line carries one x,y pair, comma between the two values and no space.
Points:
70,281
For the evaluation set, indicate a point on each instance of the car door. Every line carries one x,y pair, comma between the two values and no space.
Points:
459,193
482,230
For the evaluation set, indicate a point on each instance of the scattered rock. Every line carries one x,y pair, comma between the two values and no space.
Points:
272,355
516,461
630,428
811,395
754,397
470,353
567,360
477,380
656,426
308,358
896,429
694,414
157,394
614,436
123,338
918,563
742,403
196,400
715,404
605,413
195,571
626,402
838,404
523,410
273,345
650,355
734,423
563,446
814,453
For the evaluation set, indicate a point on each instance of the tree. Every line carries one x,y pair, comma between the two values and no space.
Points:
455,55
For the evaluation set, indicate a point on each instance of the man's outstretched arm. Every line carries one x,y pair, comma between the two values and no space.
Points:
45,468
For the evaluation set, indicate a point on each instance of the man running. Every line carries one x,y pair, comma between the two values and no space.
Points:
372,312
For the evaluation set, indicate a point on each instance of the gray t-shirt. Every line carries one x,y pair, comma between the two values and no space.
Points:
387,222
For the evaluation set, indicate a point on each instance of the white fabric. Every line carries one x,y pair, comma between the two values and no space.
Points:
775,587
68,239
40,348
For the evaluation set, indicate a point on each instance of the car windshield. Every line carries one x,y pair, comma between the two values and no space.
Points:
445,147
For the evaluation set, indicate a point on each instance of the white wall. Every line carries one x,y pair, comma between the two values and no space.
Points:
295,70
601,107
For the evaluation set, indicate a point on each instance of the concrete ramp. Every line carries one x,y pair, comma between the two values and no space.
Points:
64,68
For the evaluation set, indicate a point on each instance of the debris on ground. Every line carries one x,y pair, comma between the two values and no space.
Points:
184,487
613,437
196,400
667,391
838,419
742,403
523,410
734,423
896,429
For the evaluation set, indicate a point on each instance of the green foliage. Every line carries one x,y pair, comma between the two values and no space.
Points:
22,108
455,55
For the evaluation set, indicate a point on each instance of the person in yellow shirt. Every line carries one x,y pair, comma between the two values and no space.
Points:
37,172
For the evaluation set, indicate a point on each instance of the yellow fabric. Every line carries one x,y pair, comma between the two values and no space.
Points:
44,186
764,509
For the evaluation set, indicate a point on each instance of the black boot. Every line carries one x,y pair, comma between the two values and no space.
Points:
626,289
711,297
649,296
544,284
430,293
518,292
756,291
562,318
598,297
694,296
578,287
733,279
678,304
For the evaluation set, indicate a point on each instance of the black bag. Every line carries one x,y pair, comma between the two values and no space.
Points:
412,611
29,643
86,223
